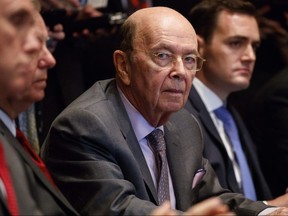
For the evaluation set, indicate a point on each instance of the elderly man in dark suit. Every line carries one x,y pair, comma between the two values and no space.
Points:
100,150
229,46
26,189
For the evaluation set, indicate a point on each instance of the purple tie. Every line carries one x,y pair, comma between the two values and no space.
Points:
157,142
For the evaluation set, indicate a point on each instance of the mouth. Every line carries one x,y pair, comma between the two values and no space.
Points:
244,70
175,91
41,83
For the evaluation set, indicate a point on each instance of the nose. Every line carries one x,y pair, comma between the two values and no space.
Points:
178,69
46,59
249,53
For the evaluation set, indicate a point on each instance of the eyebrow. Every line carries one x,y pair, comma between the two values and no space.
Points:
170,48
243,38
22,13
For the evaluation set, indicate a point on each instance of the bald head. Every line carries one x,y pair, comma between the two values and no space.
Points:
156,59
153,15
152,20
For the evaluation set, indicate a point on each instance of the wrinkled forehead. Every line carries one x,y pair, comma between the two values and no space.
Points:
16,6
166,33
16,20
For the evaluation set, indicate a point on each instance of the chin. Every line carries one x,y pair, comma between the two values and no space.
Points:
174,107
244,85
38,97
241,84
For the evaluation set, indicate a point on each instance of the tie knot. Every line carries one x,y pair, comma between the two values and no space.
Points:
156,140
20,136
223,114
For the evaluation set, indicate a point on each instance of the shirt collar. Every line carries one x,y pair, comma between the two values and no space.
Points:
139,124
9,123
209,98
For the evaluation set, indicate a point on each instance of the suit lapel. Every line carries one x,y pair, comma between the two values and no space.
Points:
181,164
246,142
137,152
202,113
27,159
174,161
129,135
198,108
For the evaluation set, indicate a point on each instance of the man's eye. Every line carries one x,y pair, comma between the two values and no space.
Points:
235,44
162,56
20,18
17,20
255,46
190,59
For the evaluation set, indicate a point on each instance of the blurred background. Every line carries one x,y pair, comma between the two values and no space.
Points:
91,35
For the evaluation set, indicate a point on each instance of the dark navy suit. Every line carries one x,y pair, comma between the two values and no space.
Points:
216,153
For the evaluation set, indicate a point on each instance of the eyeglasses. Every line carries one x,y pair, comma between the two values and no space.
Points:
191,62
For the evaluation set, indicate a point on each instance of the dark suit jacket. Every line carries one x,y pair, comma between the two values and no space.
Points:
97,162
268,122
216,153
35,194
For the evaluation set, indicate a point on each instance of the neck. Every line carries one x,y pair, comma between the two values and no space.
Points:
154,117
157,121
220,92
12,109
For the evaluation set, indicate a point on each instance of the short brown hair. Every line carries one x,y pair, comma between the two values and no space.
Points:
204,15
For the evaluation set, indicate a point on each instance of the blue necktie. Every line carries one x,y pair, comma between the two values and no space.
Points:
230,128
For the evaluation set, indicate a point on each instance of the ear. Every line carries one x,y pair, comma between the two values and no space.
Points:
122,66
201,45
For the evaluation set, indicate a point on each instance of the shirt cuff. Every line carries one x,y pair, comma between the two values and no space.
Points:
267,211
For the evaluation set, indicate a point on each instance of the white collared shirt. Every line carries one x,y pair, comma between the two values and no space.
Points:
141,129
